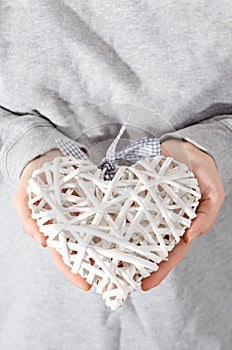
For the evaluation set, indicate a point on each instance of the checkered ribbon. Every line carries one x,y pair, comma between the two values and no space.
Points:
149,147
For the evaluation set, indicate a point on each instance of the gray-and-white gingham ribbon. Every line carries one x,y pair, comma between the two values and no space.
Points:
148,147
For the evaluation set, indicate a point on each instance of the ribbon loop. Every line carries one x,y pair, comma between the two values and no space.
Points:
70,148
148,147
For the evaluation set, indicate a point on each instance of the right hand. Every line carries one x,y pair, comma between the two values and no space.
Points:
29,225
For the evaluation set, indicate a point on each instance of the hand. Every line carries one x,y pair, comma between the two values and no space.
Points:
204,168
29,225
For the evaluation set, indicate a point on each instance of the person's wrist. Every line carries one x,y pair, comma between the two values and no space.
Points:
38,161
179,150
170,146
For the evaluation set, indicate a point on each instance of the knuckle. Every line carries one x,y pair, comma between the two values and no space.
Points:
206,228
219,197
178,255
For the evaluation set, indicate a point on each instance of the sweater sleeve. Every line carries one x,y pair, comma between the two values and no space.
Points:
213,136
22,139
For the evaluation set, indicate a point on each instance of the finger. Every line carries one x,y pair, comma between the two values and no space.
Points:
24,213
76,279
164,150
207,213
174,257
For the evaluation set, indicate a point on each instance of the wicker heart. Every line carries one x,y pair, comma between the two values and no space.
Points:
113,233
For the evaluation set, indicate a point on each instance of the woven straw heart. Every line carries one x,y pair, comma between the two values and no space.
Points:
113,233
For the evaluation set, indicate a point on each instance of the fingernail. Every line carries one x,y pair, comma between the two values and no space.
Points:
40,242
144,288
44,245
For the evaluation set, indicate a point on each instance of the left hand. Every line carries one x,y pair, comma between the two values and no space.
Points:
212,197
20,202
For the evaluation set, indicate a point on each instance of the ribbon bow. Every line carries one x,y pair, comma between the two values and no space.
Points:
148,147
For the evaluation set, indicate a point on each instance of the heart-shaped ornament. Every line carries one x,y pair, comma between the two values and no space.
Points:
113,233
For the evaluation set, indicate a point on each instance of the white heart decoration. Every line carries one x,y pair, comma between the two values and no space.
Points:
113,233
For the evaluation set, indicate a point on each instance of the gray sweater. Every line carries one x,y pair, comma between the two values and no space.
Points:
76,69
